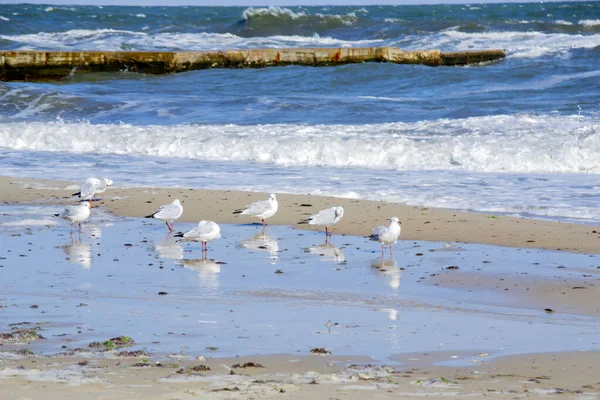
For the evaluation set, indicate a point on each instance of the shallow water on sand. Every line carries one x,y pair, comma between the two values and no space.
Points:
267,293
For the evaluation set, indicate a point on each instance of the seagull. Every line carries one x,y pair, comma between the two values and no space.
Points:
261,209
204,232
103,184
387,234
93,186
77,213
87,191
168,212
326,217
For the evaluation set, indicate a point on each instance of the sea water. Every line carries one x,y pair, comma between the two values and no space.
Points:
275,291
517,136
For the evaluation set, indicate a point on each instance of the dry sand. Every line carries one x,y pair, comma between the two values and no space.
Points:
574,375
360,216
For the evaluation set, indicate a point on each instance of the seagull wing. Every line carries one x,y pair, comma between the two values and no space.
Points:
378,232
167,211
88,189
258,208
323,217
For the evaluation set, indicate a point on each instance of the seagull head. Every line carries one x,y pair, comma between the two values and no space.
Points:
85,204
395,220
272,197
108,181
339,212
176,201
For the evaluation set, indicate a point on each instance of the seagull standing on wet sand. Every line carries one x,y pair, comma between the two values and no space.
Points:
77,213
326,217
103,184
204,232
93,186
168,213
261,209
387,234
87,190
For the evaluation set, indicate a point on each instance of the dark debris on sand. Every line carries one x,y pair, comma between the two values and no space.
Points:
114,343
249,364
20,335
195,370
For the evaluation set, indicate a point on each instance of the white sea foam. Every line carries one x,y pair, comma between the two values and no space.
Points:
30,222
517,44
562,22
4,18
285,14
504,143
272,10
589,22
111,39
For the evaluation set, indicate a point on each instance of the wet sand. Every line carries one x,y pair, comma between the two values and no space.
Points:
570,375
480,301
360,216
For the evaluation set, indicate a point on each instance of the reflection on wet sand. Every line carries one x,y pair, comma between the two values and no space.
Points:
79,252
328,252
263,242
208,271
94,231
389,269
391,312
168,248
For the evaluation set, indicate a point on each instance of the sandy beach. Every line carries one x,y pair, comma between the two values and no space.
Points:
360,218
569,375
488,276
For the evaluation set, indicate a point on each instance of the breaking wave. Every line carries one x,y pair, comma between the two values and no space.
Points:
503,143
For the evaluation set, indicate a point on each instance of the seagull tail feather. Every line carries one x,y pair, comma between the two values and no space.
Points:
238,211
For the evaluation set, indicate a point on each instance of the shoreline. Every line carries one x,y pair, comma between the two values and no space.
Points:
360,217
409,371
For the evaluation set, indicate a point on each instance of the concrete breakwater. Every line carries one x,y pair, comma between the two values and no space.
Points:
53,65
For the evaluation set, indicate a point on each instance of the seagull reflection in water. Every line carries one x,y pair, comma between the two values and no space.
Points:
263,242
78,252
168,248
208,271
388,269
327,252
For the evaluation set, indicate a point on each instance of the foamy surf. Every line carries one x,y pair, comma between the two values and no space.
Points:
503,143
118,40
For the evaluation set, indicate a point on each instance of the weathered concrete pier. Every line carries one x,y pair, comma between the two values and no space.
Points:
54,65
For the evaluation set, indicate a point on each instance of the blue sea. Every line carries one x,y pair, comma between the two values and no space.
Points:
520,136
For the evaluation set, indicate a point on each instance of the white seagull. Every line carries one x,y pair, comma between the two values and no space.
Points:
326,217
168,213
77,213
93,186
204,232
103,184
261,209
87,190
387,234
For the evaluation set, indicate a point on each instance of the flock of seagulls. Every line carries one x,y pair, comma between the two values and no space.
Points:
207,231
